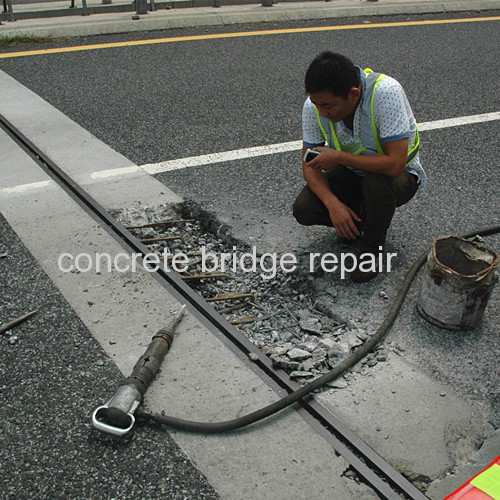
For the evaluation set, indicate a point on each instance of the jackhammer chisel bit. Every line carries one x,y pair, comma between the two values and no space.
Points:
116,417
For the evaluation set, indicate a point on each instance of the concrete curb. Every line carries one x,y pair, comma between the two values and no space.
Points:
230,15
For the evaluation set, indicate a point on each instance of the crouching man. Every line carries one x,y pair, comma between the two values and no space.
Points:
363,127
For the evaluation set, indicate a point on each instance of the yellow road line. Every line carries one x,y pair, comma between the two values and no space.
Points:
132,43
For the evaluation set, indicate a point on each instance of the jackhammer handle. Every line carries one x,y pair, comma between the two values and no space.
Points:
149,363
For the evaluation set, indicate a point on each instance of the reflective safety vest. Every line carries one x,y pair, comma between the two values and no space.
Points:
371,144
483,486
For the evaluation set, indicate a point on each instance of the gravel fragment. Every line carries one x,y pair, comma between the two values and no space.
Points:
381,356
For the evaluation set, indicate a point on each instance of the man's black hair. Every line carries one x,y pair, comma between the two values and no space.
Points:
330,72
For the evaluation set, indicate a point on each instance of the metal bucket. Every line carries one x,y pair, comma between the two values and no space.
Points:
459,278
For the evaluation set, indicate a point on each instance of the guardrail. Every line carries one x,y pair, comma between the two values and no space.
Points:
89,7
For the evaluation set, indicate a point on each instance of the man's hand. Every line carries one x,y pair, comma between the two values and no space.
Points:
327,159
392,163
343,219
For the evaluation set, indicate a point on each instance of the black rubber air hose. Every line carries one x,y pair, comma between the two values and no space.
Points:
237,423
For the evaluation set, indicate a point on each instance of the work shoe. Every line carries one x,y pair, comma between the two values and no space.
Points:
359,276
366,269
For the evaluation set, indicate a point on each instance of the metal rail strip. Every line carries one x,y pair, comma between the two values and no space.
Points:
381,476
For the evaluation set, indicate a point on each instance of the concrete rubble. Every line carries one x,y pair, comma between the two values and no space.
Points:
299,330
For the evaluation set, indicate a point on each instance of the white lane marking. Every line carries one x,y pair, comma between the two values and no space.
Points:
240,154
26,187
236,154
105,174
456,122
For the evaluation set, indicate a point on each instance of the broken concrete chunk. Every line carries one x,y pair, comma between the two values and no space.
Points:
298,354
307,346
281,350
337,384
327,343
284,362
319,353
311,364
351,339
339,350
361,335
311,325
301,374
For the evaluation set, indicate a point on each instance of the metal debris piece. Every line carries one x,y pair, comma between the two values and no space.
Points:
194,262
244,319
160,224
203,276
258,306
11,324
233,308
230,296
188,254
290,313
338,327
161,238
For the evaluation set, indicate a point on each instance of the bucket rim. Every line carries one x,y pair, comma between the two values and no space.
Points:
479,275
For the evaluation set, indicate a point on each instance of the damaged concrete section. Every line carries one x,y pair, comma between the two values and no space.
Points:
422,428
462,472
284,315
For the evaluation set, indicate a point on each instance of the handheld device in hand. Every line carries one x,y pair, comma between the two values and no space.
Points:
310,155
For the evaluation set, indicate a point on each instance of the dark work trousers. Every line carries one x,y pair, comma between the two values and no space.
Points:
373,197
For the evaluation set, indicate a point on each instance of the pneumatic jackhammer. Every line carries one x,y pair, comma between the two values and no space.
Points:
116,417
